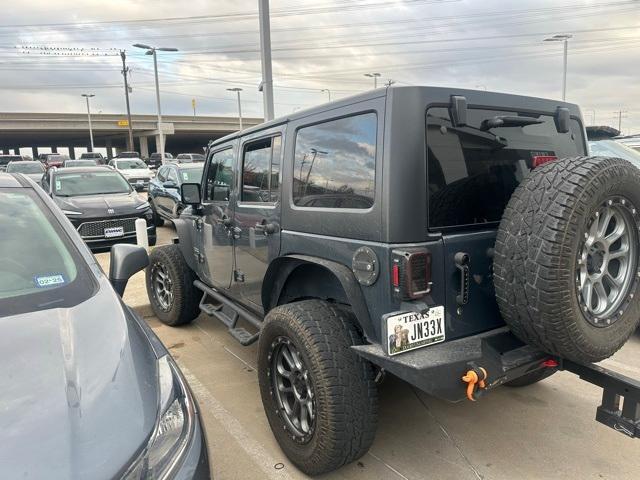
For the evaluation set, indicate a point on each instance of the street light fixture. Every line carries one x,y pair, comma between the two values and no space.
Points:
238,90
87,96
328,92
152,51
375,76
564,38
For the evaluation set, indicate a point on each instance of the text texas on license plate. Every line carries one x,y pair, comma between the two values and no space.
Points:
411,330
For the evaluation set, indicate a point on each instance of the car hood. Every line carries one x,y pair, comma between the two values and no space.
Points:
79,390
135,172
101,205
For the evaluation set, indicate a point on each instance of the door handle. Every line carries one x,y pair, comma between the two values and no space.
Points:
266,228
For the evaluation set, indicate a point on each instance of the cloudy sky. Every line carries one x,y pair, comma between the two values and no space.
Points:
327,44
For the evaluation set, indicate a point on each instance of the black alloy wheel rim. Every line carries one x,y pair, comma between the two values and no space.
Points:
292,388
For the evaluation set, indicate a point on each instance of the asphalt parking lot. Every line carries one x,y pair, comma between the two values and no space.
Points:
543,431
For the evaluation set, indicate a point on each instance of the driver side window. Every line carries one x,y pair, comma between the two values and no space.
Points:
220,176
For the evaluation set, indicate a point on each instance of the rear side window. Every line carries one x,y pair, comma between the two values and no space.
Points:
335,163
473,170
261,170
220,176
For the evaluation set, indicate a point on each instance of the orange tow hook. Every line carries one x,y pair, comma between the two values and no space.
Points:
475,379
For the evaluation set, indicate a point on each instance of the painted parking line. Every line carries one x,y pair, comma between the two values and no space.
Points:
253,448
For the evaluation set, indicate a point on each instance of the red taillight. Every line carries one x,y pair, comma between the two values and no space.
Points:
542,159
411,273
550,363
395,275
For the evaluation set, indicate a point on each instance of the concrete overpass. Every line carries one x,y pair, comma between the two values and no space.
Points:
71,130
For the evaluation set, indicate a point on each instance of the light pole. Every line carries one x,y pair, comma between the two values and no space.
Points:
125,72
87,96
152,51
375,78
265,55
238,90
564,38
328,92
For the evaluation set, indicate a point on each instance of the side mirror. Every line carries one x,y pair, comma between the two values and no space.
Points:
190,193
170,184
125,261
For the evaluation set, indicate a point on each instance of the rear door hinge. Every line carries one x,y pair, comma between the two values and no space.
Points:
238,276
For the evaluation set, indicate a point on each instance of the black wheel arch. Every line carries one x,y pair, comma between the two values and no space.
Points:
292,277
184,228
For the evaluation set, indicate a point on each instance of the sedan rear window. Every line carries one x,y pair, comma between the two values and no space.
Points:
39,266
25,167
89,183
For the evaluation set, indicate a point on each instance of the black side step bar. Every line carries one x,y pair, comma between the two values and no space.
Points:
240,334
615,388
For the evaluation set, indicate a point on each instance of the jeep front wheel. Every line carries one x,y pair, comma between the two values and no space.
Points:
170,288
319,396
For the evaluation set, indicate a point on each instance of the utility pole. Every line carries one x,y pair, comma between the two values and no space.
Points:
193,105
125,72
238,90
619,113
87,96
265,54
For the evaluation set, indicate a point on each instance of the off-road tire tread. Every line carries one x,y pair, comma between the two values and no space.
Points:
533,262
186,301
346,382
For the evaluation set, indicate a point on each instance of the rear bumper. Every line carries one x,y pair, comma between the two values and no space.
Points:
438,369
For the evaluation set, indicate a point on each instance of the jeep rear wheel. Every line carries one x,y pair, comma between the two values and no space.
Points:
319,396
170,287
566,257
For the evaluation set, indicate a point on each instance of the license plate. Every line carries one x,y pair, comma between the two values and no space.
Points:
113,232
411,330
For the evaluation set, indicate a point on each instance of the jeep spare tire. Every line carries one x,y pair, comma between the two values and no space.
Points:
566,267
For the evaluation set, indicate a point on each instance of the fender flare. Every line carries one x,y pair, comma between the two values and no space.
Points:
184,229
281,268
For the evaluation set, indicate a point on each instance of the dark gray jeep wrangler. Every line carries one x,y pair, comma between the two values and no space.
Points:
458,239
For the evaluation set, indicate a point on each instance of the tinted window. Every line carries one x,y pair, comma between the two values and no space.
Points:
473,170
25,167
42,269
260,171
220,176
336,158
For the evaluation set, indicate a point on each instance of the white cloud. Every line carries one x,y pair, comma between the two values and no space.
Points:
474,44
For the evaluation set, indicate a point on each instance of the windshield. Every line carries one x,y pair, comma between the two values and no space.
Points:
4,159
130,164
89,183
25,167
191,175
80,163
39,267
611,148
